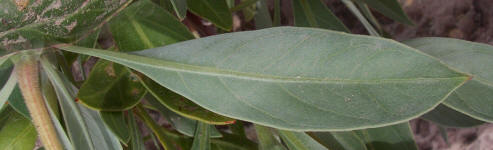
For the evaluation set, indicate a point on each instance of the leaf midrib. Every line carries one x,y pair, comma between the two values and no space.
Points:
130,59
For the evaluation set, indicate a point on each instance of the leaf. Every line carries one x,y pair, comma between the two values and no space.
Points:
216,11
181,105
6,68
397,136
166,139
347,140
16,132
262,17
201,137
180,7
449,117
75,124
16,101
300,141
389,8
115,121
136,142
244,4
314,13
36,24
277,14
475,98
269,76
145,25
101,136
371,30
7,88
266,139
111,87
181,124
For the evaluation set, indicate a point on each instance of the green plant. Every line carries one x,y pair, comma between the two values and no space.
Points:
300,87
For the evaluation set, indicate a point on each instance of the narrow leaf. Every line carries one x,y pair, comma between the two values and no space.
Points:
449,117
115,121
244,4
371,30
7,90
475,98
216,11
180,7
136,142
300,141
101,136
277,13
314,13
16,132
397,136
262,17
76,126
181,124
389,8
361,81
201,137
266,139
347,140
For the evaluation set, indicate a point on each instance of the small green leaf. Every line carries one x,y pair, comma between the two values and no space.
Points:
314,13
181,124
262,17
397,136
300,141
269,76
201,138
35,24
115,121
475,98
145,25
389,8
266,139
244,4
16,101
346,140
16,132
181,105
111,87
216,11
449,117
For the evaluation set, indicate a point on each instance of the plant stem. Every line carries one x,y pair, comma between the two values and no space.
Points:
27,71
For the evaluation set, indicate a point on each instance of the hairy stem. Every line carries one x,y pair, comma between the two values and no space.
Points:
27,70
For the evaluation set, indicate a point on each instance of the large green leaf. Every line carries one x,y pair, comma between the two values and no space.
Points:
181,105
347,140
389,8
314,13
111,87
216,11
397,136
32,24
475,98
300,141
292,78
448,117
16,132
